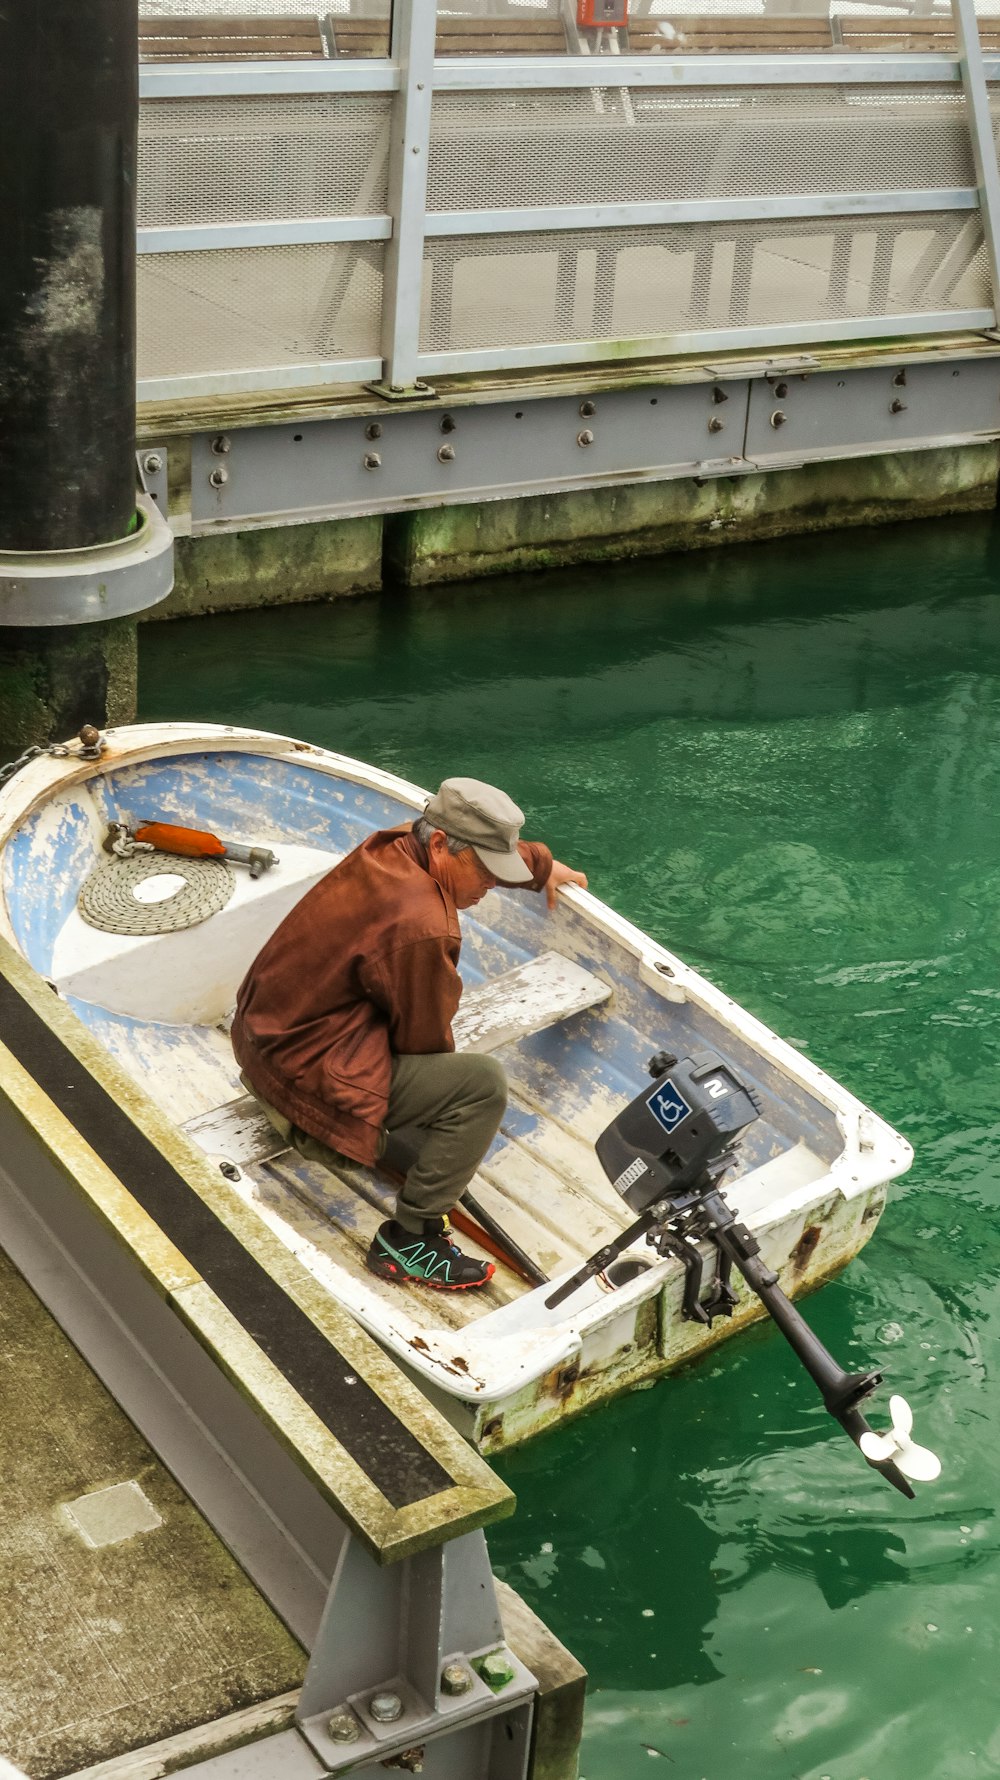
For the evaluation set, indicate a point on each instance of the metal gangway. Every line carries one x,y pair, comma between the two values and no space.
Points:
485,187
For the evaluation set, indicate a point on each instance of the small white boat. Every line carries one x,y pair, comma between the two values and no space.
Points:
573,1002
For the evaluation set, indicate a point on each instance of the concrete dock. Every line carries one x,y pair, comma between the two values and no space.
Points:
126,1620
228,1518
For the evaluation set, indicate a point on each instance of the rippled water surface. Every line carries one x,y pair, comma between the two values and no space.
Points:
782,762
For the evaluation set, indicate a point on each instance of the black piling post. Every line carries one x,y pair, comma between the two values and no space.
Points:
68,128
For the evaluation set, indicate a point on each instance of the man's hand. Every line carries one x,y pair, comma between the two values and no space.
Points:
558,876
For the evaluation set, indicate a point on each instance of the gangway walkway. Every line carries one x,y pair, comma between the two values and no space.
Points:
415,256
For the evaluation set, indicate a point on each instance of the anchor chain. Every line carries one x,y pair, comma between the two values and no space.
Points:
92,746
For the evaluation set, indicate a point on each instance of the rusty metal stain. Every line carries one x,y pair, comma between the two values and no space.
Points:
803,1249
664,1343
410,1760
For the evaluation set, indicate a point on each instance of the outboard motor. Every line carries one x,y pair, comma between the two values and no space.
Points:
666,1154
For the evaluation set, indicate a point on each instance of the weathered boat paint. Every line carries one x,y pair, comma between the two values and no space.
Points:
812,1171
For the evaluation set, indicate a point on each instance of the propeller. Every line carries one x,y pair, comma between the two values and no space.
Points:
913,1460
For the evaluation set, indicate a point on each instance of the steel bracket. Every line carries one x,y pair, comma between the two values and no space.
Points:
151,463
711,468
52,587
417,1723
395,392
410,1622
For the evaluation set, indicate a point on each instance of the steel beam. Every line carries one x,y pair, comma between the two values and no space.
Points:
299,231
795,420
182,80
698,210
984,151
482,73
807,333
280,232
238,80
730,423
414,23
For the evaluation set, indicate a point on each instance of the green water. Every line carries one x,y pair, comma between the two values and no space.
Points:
782,762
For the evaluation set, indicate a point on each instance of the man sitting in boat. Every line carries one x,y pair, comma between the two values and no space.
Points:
343,1022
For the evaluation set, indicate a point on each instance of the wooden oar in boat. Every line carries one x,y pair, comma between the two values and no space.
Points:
494,1239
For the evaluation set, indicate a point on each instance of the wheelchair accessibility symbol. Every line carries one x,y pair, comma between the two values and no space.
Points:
668,1106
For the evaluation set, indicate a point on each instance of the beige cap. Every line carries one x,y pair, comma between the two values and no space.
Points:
487,819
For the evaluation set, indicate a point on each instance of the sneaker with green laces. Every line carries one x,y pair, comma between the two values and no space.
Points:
430,1259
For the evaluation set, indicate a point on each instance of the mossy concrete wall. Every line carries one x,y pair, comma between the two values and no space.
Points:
274,566
51,682
647,518
327,559
54,680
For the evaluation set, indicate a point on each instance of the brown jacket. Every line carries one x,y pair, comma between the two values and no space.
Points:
364,968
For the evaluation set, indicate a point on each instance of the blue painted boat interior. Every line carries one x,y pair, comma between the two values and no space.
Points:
566,1079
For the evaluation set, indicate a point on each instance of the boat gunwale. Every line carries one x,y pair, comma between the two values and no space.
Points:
858,1169
66,771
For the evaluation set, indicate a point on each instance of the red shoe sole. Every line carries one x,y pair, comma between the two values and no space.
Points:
396,1276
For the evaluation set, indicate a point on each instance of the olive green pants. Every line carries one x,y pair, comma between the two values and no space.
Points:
444,1112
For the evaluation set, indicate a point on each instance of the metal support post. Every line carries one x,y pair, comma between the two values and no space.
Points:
411,1653
68,122
413,27
74,548
984,153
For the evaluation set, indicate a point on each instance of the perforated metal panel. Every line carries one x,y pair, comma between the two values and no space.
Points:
241,160
238,309
630,284
507,149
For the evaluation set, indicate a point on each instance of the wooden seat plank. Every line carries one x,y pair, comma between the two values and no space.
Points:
328,1210
535,995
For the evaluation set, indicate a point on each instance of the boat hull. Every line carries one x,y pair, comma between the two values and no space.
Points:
810,1182
644,1342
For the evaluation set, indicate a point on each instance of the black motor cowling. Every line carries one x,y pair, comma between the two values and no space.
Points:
668,1137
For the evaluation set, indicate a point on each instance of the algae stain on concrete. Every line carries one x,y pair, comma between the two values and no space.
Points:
274,566
649,518
120,1643
53,680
